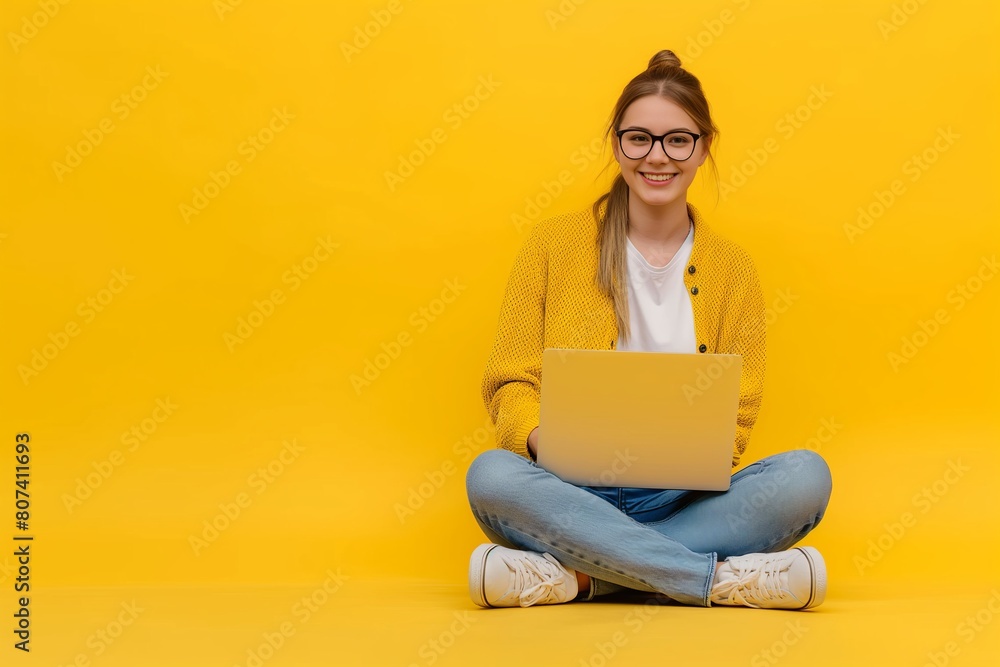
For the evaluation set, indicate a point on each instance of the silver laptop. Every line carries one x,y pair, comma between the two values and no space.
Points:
639,419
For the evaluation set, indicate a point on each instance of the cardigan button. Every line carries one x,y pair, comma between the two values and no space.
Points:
694,290
691,269
702,347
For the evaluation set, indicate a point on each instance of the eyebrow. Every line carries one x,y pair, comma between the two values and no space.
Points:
646,129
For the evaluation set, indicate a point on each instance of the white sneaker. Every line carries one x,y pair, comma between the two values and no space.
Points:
794,579
502,577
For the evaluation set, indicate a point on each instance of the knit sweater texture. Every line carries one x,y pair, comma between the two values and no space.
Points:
552,300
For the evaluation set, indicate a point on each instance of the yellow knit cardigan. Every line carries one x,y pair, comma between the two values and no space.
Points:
552,300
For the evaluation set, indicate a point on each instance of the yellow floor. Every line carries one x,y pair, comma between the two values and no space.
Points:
423,623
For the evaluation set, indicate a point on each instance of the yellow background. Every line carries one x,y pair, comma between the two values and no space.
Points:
896,76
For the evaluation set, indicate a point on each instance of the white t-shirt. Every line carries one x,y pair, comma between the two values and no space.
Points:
660,316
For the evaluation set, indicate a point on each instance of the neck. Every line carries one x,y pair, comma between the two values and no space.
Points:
658,224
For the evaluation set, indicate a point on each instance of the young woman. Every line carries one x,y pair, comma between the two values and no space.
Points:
639,270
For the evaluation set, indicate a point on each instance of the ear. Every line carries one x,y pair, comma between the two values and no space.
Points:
706,146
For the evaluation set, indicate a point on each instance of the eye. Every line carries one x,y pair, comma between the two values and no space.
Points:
679,139
636,138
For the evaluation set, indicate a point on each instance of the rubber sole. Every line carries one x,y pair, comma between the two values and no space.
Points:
477,573
817,566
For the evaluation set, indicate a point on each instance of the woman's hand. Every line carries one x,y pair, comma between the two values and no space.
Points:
533,443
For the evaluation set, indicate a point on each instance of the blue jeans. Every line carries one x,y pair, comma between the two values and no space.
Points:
658,541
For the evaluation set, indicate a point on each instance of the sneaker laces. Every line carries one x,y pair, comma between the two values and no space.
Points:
540,580
755,580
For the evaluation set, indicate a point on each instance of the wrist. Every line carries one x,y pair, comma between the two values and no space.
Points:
532,443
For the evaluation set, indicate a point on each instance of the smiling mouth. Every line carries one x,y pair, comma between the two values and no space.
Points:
657,177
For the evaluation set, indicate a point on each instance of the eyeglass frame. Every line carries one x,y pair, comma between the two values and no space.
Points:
654,138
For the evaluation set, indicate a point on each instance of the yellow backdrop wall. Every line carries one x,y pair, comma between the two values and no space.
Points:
253,255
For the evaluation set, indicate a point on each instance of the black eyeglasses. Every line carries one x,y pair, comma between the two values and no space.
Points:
636,144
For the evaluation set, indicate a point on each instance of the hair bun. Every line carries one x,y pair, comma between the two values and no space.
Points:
664,58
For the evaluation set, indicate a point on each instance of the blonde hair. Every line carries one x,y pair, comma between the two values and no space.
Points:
666,78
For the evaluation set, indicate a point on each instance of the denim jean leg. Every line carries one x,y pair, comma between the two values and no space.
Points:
529,508
770,505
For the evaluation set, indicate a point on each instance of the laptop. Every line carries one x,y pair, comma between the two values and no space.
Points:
639,419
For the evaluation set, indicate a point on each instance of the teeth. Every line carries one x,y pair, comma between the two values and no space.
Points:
659,177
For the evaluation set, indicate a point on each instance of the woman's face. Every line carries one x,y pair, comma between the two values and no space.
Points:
658,115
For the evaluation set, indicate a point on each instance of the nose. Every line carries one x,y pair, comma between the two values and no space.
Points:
660,155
